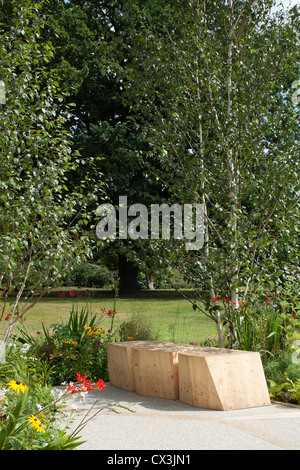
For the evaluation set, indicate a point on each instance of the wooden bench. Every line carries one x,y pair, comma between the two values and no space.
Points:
119,359
214,378
155,370
222,379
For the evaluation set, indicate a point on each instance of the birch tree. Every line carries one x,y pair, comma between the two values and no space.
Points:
215,82
43,222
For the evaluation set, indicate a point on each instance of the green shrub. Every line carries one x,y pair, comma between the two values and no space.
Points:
283,377
78,345
288,391
137,328
267,331
89,275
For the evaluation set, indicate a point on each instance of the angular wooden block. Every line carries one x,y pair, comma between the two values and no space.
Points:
155,370
119,359
222,379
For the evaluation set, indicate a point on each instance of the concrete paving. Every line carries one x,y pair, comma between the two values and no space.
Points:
154,424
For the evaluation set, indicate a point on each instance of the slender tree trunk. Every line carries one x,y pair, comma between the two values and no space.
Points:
232,182
206,236
11,319
149,280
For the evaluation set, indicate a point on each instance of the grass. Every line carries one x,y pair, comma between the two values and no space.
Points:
172,320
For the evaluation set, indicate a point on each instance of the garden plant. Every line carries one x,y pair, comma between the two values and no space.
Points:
190,102
32,413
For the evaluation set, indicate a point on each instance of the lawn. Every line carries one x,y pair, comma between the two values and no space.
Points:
172,320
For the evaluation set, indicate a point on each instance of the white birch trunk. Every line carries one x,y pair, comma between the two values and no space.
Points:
10,323
232,174
206,237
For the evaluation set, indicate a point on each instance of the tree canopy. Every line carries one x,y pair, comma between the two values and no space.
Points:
177,102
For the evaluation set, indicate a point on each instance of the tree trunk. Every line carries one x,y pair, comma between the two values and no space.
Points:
232,182
206,235
128,274
149,281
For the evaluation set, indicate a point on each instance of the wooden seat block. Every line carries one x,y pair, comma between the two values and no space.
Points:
156,370
222,379
119,359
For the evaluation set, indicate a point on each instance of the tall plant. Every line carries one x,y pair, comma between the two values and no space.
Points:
216,92
43,220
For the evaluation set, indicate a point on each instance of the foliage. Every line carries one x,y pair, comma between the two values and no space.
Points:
33,414
89,275
137,328
43,221
265,330
283,377
80,343
91,57
25,366
278,367
28,424
287,391
31,417
215,90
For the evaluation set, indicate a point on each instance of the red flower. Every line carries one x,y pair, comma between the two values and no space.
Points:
8,316
72,388
100,385
80,378
87,386
215,299
84,385
72,293
225,300
111,313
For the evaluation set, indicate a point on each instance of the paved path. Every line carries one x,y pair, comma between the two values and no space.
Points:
158,424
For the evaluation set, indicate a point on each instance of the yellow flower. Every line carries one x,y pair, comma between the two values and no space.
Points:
66,341
74,342
285,373
87,327
39,428
36,424
92,333
34,421
17,386
129,337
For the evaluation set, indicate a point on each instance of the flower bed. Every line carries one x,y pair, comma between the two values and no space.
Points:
31,417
